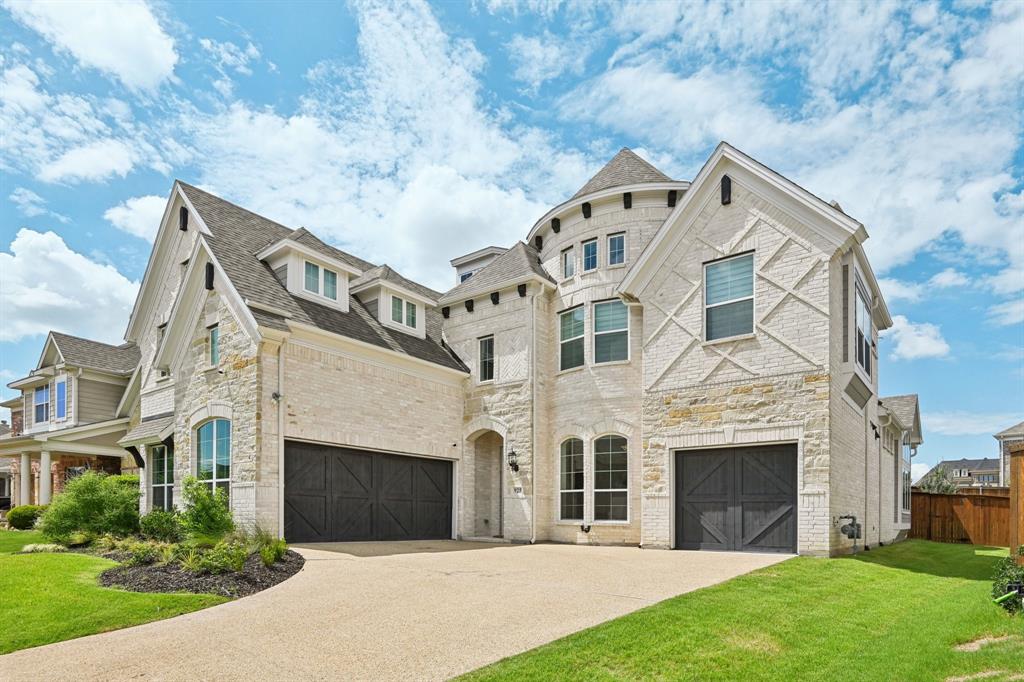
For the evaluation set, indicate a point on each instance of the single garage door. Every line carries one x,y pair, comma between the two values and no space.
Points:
336,494
741,499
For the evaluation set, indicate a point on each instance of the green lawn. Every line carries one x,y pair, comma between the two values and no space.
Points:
895,613
52,597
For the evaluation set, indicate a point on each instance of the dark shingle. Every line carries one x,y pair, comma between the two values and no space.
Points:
384,273
514,265
89,354
238,234
625,168
1016,430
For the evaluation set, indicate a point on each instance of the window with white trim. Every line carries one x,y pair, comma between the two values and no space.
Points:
862,327
487,358
403,312
61,406
320,281
161,477
611,479
41,402
570,337
590,255
214,455
568,262
331,284
214,346
611,331
729,297
617,248
570,480
311,282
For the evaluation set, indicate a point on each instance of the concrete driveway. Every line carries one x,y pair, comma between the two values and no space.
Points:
409,610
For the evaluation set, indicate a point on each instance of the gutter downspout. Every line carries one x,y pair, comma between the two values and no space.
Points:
534,459
867,446
280,439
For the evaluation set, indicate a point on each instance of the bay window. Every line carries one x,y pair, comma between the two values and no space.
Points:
729,297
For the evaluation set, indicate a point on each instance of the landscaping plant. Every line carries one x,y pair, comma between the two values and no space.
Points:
1008,572
23,517
206,513
93,504
162,525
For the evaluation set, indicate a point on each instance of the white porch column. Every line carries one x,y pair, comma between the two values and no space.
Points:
25,473
45,477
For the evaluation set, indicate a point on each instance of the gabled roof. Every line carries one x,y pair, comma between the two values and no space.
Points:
625,168
972,465
1017,430
237,234
307,238
89,354
907,412
518,264
384,273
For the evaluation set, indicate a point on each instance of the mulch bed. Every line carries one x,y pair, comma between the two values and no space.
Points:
173,578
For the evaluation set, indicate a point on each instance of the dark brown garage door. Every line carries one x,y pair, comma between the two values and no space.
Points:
737,499
340,494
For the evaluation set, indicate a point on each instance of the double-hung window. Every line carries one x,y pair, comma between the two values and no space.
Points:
487,358
214,455
568,263
214,346
321,281
611,331
570,480
570,336
162,481
729,297
403,312
312,278
611,474
590,255
61,406
862,311
41,402
331,284
617,249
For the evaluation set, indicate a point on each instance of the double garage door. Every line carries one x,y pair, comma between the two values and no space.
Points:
740,499
334,494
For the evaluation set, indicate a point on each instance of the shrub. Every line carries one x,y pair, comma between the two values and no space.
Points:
93,504
161,525
190,559
144,552
273,552
205,513
43,548
1008,571
23,517
226,557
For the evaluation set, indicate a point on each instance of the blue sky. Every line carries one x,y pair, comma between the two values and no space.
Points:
412,133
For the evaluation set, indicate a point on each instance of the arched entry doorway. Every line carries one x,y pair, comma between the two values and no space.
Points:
484,515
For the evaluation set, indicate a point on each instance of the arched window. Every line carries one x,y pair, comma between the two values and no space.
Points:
611,479
570,487
214,454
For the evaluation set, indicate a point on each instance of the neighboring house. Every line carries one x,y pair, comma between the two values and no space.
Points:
1014,434
969,473
662,363
68,417
5,470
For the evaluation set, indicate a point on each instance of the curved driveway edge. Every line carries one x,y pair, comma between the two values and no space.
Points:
411,610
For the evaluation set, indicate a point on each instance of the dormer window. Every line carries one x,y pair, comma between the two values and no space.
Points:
320,281
403,312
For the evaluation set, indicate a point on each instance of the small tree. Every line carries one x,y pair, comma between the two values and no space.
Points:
93,504
205,513
938,481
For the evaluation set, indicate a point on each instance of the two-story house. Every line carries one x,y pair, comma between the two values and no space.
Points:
660,363
1006,438
68,416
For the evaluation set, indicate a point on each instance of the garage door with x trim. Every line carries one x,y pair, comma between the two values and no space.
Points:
335,494
740,499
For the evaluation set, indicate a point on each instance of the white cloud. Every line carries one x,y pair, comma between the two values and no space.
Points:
898,290
544,57
45,285
1007,313
230,57
915,340
118,37
139,216
31,205
949,278
93,161
963,423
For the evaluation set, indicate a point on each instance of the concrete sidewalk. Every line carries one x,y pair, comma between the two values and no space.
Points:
414,610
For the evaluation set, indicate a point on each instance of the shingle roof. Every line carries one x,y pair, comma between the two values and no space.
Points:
238,234
514,265
625,168
1017,430
904,407
386,274
146,430
984,464
307,238
89,354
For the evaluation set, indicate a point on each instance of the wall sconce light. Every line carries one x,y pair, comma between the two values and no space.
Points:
513,460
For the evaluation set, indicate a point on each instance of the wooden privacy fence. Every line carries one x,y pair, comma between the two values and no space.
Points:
970,519
1017,499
